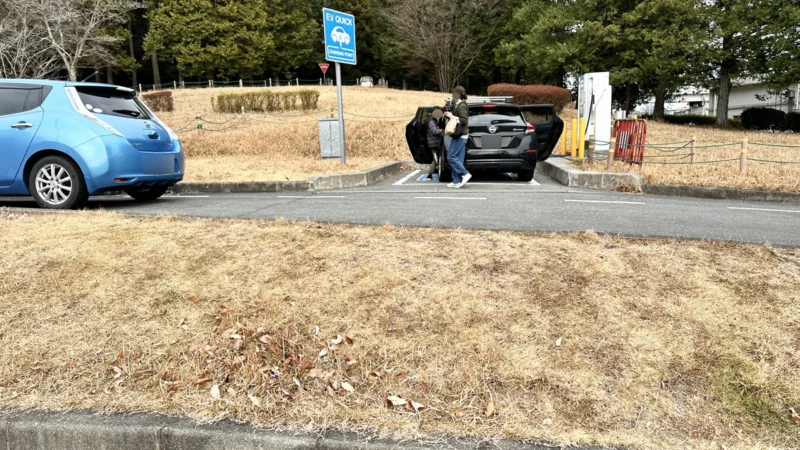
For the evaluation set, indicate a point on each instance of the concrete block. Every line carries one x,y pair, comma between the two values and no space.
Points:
227,435
82,430
562,171
384,170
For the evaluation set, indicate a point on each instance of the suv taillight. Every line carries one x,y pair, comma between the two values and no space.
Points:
529,128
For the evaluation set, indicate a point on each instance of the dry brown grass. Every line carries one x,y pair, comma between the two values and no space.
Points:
286,146
760,175
663,344
279,146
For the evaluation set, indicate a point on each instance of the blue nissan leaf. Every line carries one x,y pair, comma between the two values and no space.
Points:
63,141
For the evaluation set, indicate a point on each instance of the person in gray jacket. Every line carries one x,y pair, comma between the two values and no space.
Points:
435,134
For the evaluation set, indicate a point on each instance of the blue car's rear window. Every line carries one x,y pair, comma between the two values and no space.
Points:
112,102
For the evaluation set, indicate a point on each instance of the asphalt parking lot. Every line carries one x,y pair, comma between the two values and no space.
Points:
491,203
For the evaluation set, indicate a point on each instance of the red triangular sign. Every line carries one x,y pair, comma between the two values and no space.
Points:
324,67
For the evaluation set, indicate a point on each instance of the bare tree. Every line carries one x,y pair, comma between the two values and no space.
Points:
450,35
76,29
24,50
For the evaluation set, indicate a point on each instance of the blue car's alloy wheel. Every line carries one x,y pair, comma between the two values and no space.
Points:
56,183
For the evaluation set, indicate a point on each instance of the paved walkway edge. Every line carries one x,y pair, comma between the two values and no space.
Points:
721,193
80,430
561,170
319,183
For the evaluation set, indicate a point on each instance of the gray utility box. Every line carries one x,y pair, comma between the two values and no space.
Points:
329,138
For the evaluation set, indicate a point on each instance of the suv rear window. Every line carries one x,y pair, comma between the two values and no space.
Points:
112,102
495,110
481,115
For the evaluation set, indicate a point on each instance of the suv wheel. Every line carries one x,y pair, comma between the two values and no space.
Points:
57,183
525,175
146,193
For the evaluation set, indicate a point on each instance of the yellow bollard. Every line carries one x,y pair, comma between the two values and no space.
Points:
582,139
564,135
573,148
610,161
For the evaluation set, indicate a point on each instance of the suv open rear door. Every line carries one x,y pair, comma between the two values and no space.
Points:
548,127
416,136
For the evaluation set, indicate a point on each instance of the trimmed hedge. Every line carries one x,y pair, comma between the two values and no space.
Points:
793,122
533,94
159,101
764,119
266,101
696,119
688,119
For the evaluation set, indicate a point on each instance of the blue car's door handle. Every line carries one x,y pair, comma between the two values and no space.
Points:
22,125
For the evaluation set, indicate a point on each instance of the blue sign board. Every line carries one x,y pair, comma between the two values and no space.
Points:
340,36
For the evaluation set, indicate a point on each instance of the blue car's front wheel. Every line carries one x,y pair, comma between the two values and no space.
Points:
57,183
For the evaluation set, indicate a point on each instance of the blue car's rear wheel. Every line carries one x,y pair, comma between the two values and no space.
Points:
57,183
146,193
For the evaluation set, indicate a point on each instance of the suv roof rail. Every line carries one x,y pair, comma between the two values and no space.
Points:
481,100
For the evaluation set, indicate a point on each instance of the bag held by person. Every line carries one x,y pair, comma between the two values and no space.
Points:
452,125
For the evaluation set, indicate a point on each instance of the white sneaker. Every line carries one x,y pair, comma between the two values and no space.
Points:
452,185
464,180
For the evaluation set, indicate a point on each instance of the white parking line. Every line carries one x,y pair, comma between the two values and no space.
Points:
764,209
326,196
186,196
534,183
605,201
450,198
406,178
290,196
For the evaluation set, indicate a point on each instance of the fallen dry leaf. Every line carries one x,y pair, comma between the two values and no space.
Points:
215,392
401,374
323,352
547,422
457,412
417,406
424,387
394,400
490,409
347,387
348,340
315,373
558,342
795,416
194,299
316,330
265,339
203,381
254,400
337,341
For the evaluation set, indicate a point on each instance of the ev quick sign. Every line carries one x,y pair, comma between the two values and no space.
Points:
340,36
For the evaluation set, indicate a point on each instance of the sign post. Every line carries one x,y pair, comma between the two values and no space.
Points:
324,67
340,47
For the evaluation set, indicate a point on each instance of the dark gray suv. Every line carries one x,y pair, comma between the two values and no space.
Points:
502,137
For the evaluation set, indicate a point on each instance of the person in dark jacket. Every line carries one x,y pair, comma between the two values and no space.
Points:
434,135
458,145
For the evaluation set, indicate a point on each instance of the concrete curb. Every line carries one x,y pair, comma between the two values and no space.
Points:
318,183
356,179
80,430
721,193
233,188
562,171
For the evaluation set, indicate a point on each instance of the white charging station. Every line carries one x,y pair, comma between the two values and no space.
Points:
594,104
